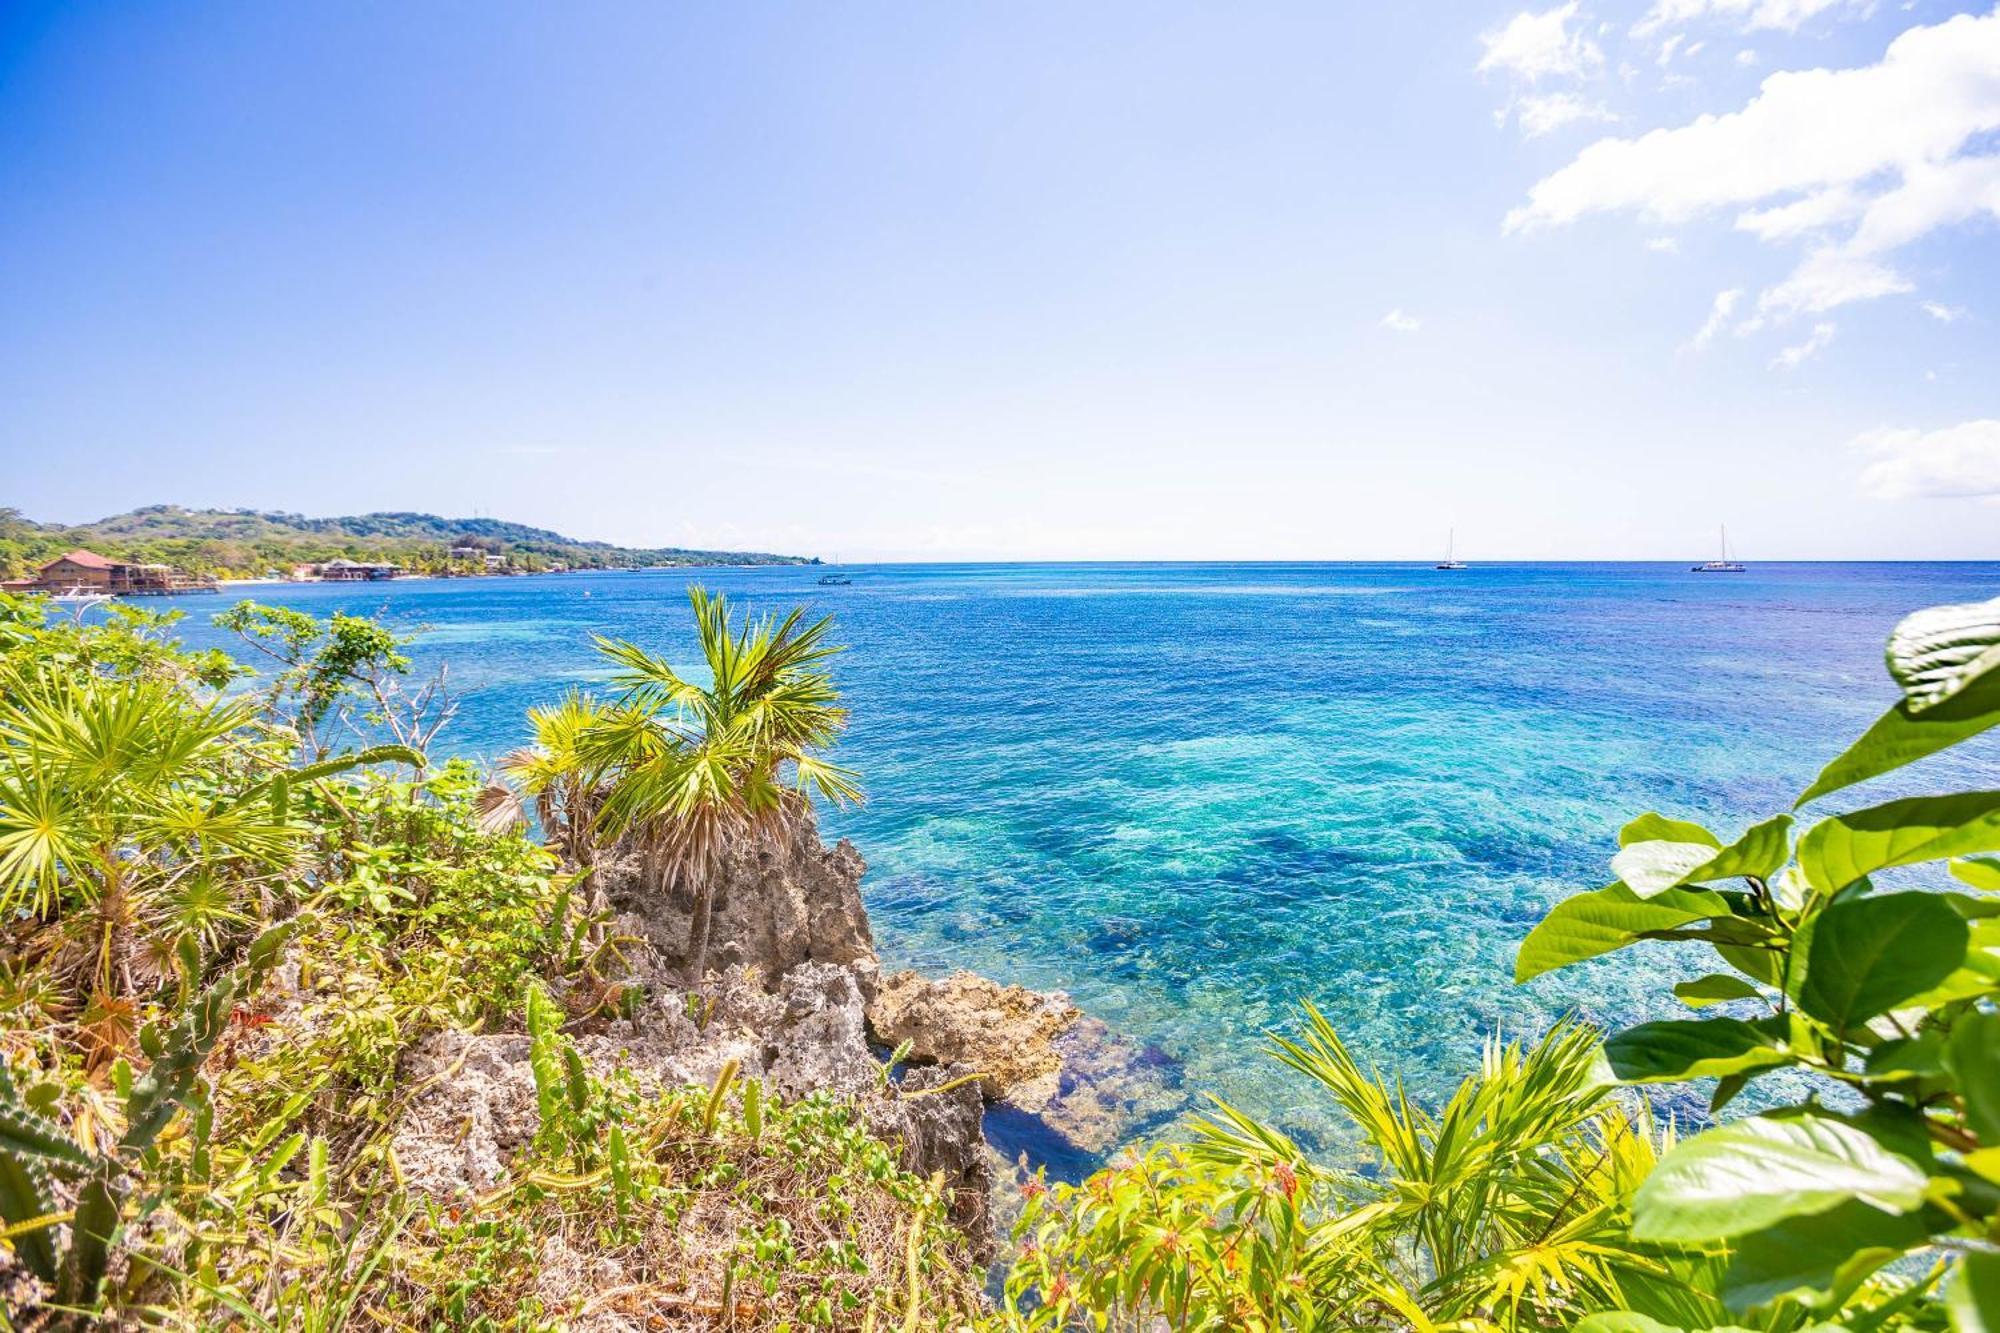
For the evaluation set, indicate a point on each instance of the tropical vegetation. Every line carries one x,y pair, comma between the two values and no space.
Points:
231,909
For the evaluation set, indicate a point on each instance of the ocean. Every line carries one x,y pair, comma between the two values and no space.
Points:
1193,795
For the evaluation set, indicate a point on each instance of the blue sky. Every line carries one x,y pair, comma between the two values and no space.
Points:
1025,281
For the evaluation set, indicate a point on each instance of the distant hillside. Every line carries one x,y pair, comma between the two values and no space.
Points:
247,542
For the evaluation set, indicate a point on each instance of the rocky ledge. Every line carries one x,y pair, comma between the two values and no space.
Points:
794,994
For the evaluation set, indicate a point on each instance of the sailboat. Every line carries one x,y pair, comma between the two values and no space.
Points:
1450,543
1725,565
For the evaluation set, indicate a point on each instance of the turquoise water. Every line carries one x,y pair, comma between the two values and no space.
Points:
1192,794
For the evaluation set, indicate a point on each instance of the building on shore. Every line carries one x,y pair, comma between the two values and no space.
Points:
354,571
87,571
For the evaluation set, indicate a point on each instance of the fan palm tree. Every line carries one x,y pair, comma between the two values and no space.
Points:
129,819
690,768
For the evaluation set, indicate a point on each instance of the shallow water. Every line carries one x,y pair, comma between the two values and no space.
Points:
1194,794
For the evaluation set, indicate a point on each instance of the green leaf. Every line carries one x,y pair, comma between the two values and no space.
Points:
1921,1056
1761,852
1978,974
1706,1048
1981,872
1656,827
1649,868
1845,848
1972,1058
1974,1295
1901,736
1937,652
1816,1256
1863,956
1590,924
1715,988
1765,965
1756,1172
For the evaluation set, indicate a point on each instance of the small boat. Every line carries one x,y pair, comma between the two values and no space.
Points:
1725,565
1450,542
834,580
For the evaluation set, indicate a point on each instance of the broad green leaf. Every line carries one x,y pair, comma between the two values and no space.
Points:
1765,965
1590,924
1901,736
1974,1296
1816,1256
1972,1058
1683,1049
1754,1173
1978,974
1935,653
1648,868
1652,865
1981,872
1921,1056
1656,827
1761,852
1863,956
1840,850
1715,988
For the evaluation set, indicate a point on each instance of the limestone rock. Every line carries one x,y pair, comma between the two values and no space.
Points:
475,1111
939,1128
781,901
1007,1033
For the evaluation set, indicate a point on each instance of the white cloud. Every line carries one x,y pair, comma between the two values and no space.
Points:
1793,357
1536,46
1746,57
1828,278
1944,314
1890,151
1542,113
1719,312
1668,47
1663,245
1956,462
1398,321
1782,14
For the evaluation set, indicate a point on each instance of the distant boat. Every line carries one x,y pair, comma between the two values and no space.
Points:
1725,565
1450,542
834,580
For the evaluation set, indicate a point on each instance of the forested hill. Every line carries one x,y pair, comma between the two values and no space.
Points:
247,542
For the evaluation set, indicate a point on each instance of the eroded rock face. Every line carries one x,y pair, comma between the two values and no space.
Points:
936,1116
781,901
1007,1033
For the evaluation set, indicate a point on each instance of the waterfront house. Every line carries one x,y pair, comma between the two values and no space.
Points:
356,571
86,571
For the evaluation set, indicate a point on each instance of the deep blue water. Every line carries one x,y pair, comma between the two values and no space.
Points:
1193,794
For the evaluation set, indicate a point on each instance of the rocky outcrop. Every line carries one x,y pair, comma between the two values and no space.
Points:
1007,1033
782,900
793,996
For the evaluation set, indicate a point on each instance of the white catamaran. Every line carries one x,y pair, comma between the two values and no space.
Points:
1450,543
1725,565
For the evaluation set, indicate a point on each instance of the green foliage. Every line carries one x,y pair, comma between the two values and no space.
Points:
219,944
1504,1207
1854,1202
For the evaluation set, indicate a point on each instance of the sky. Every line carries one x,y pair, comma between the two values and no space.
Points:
1027,281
